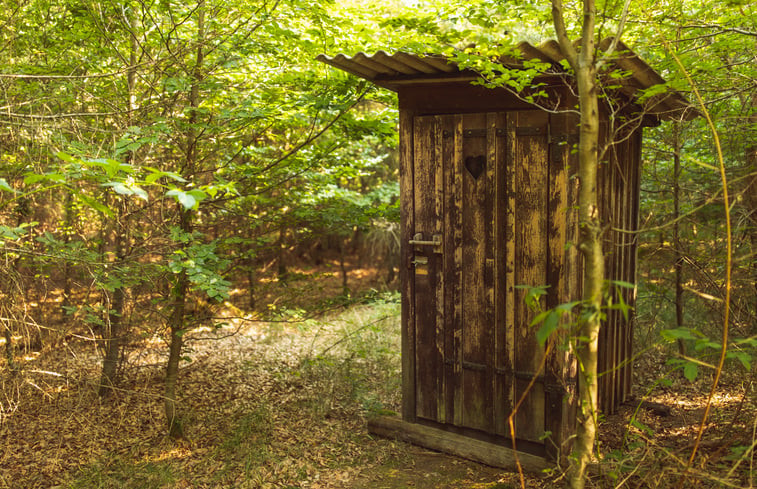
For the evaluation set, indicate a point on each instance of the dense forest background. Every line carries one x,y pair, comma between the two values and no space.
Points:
199,229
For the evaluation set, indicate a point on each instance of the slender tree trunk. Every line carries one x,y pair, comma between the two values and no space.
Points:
590,245
113,333
343,265
584,65
676,232
176,328
115,328
181,286
68,220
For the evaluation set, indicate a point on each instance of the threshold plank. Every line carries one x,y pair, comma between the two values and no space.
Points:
454,444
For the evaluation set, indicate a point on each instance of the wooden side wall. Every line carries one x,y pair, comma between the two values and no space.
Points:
619,194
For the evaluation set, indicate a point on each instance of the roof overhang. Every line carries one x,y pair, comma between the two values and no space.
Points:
393,71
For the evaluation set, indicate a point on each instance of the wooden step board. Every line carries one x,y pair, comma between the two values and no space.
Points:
454,444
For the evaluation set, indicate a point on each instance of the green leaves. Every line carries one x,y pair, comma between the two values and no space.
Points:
5,186
741,350
201,264
552,320
127,188
190,199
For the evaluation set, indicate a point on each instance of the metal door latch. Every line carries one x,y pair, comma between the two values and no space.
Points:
436,241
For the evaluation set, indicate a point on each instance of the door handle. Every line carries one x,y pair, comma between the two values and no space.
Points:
436,241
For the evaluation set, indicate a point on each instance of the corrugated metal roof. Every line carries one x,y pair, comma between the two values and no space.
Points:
394,70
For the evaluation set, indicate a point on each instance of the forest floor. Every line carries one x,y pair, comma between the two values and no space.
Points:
284,404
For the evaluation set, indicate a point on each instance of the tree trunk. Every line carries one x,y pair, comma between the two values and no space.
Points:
113,336
176,328
181,286
584,64
68,219
343,266
115,309
590,245
676,232
114,305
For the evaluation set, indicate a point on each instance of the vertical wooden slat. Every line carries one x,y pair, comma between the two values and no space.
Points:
458,268
407,224
531,157
511,185
622,224
490,227
613,200
603,332
574,274
437,167
633,255
451,381
604,181
502,381
476,331
428,283
555,412
628,273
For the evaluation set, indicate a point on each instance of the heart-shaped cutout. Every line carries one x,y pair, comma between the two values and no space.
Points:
475,165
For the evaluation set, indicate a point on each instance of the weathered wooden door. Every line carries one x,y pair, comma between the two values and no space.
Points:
480,200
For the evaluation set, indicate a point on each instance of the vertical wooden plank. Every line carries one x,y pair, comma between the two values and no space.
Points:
438,225
428,355
530,157
502,380
407,282
603,333
613,200
627,244
457,317
490,228
450,278
574,274
476,331
604,185
555,413
622,190
511,222
634,203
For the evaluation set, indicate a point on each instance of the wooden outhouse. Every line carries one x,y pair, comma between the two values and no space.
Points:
488,200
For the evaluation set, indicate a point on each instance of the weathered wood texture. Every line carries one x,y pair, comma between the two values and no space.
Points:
497,192
407,224
462,446
619,190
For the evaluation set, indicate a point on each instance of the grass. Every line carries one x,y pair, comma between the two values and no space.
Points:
121,473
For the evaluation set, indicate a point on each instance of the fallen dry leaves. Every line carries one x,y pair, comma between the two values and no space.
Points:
267,408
